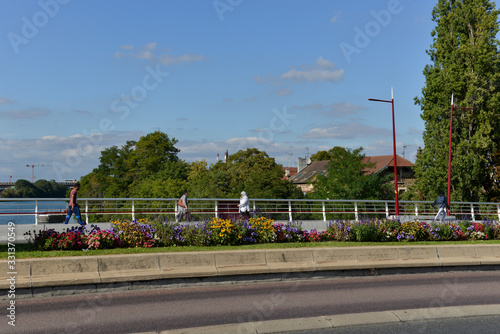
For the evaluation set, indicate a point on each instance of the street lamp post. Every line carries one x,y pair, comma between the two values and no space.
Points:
449,150
394,145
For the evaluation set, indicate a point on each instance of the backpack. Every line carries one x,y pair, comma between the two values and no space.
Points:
440,200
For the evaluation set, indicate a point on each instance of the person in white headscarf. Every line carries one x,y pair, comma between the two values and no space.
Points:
244,205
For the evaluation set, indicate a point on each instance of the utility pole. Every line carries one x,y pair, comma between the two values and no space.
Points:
391,101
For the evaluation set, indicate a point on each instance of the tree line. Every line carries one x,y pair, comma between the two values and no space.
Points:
39,189
151,168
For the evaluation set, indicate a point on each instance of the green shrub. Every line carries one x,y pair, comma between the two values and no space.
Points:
366,231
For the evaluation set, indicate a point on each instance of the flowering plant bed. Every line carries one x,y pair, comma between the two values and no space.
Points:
224,232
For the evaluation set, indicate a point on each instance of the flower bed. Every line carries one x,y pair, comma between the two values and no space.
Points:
141,233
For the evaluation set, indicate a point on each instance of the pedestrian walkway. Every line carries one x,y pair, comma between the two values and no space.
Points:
343,320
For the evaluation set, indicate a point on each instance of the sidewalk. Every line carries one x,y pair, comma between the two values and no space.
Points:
343,320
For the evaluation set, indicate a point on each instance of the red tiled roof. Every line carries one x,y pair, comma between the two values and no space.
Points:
384,161
293,171
318,167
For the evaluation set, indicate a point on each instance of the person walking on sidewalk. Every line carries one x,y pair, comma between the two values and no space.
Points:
442,203
183,207
73,205
244,206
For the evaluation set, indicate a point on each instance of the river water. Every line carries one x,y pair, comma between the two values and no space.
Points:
23,212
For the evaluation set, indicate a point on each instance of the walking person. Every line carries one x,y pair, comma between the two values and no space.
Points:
244,206
442,203
73,205
183,207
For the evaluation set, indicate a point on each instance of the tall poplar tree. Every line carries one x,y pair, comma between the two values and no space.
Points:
465,62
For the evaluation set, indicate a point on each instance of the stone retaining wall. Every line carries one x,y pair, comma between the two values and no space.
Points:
81,270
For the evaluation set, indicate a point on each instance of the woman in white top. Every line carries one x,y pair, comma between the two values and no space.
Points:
244,205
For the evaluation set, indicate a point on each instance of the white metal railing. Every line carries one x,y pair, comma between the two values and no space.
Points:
106,209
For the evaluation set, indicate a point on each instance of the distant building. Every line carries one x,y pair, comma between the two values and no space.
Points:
288,172
383,164
308,174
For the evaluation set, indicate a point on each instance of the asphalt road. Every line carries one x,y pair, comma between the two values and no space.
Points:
158,310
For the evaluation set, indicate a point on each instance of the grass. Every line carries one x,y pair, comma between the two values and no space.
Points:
23,251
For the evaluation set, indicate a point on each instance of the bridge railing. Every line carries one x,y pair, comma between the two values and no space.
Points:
108,209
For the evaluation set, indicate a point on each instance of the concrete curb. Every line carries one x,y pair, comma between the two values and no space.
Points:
343,320
85,270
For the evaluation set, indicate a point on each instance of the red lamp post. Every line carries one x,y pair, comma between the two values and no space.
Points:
449,150
394,145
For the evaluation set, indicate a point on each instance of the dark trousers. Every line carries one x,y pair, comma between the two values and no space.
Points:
245,215
73,209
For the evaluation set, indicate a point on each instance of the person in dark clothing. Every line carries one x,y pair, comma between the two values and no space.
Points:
73,205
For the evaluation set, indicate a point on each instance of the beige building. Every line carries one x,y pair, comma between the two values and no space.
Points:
308,171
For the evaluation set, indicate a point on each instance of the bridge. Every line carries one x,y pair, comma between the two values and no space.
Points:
108,209
6,185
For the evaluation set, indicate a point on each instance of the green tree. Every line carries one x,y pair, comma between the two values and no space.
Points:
50,189
208,181
139,168
465,62
109,179
166,183
259,175
250,170
346,178
327,155
9,193
26,189
494,194
151,152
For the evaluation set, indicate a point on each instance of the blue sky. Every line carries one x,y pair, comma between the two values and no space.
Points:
289,77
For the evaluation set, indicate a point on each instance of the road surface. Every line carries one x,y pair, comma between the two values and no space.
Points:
156,310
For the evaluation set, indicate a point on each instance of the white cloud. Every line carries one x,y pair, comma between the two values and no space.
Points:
150,52
313,75
203,150
283,92
342,108
84,112
144,54
345,131
314,106
167,59
26,114
62,157
4,100
414,131
335,17
334,110
150,46
324,63
322,70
